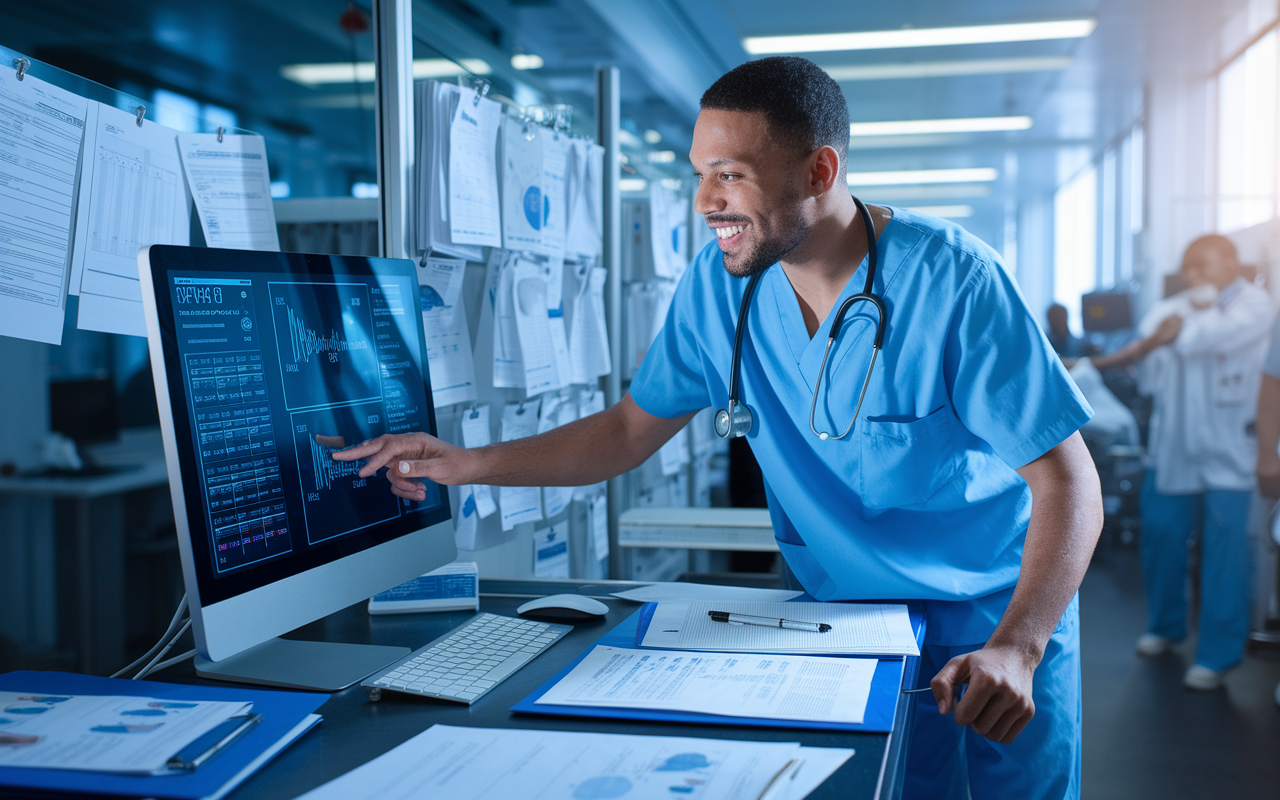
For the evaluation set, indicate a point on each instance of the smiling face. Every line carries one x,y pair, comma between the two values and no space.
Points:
751,189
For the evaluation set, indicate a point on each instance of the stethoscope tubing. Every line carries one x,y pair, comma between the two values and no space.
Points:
867,295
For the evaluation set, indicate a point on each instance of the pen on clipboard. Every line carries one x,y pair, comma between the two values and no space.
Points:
778,784
213,742
767,622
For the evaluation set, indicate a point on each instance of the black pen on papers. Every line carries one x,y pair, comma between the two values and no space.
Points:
767,622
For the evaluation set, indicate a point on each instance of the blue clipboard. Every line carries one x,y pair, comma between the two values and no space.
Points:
281,713
886,688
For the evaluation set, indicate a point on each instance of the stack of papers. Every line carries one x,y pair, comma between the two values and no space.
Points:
457,191
801,688
148,735
497,764
856,628
126,735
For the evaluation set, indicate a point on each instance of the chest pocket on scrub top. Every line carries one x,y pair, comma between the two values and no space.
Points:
904,463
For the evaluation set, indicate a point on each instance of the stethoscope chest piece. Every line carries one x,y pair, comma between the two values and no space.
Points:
734,421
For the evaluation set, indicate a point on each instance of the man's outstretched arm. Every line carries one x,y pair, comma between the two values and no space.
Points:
587,451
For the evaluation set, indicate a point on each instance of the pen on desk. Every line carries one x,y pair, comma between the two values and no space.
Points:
767,622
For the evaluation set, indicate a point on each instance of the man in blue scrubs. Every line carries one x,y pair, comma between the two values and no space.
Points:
963,482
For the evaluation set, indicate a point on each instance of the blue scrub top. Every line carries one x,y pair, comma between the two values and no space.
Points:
921,500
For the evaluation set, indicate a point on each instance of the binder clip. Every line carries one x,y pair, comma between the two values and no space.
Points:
140,112
220,130
482,89
22,65
563,117
473,412
529,134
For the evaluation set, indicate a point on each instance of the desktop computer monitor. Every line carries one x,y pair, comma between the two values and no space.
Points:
264,363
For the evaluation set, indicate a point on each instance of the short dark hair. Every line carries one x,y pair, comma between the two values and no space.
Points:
803,104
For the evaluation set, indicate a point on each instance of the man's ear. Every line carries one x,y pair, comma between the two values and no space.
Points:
824,169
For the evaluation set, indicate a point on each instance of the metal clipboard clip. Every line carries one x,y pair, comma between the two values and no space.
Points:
139,113
220,132
21,65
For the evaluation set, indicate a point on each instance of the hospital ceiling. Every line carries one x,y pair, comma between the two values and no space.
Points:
231,53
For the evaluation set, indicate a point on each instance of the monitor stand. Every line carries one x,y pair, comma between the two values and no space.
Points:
295,664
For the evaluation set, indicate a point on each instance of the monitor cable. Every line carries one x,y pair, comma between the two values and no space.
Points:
175,629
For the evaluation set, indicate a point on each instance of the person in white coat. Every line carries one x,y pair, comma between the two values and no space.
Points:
1201,358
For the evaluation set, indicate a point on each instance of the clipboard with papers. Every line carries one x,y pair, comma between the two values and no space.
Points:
890,675
232,753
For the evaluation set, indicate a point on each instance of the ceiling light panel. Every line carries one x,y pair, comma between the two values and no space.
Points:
957,125
947,212
920,37
944,69
364,72
923,176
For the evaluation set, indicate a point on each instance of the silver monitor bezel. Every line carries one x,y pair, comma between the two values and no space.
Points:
230,626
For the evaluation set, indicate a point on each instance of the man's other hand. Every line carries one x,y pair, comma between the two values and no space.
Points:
998,702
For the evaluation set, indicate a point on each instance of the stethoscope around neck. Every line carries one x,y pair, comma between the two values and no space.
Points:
737,419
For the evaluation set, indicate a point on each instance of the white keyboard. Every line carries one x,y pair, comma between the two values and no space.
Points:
468,661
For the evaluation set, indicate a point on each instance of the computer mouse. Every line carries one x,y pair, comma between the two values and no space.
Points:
563,606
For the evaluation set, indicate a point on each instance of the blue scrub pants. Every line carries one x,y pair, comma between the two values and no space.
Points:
1167,523
949,762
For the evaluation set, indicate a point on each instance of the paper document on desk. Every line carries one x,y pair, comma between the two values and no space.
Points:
232,189
803,688
856,628
500,764
124,735
43,128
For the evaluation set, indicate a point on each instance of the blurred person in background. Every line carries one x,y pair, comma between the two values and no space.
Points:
1269,451
1200,354
1065,344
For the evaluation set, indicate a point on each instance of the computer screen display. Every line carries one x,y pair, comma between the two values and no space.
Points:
274,361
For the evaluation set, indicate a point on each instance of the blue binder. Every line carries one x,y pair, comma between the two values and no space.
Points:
891,675
281,713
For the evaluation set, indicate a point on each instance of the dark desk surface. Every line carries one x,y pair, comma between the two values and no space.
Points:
356,730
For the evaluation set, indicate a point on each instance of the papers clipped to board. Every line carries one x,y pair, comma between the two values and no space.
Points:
800,688
93,184
856,628
103,733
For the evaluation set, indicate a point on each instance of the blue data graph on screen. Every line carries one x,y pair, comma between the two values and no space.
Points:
336,500
325,343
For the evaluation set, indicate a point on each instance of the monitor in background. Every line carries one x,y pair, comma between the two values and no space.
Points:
264,363
1104,312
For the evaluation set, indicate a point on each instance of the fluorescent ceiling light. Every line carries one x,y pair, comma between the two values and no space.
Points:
920,37
931,193
662,157
363,71
915,176
526,61
942,69
948,212
957,125
632,184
